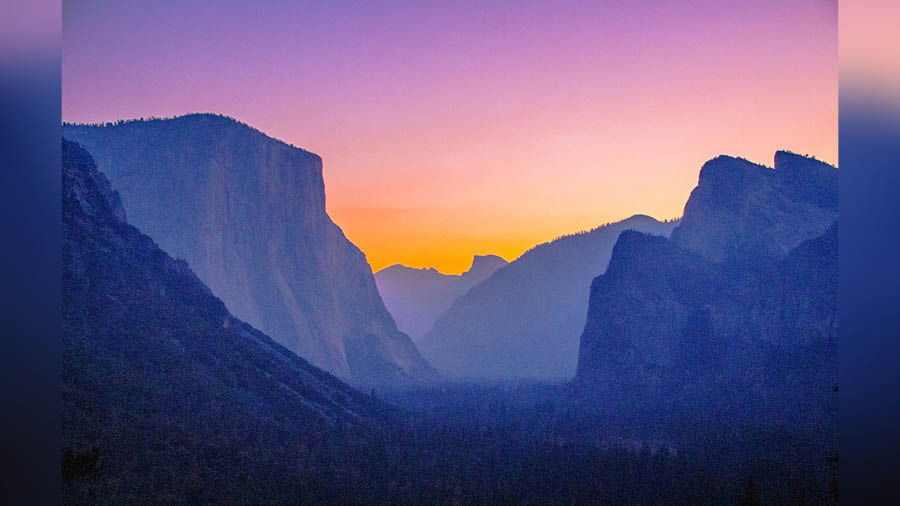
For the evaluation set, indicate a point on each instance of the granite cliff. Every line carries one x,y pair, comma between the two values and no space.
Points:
247,212
737,312
161,384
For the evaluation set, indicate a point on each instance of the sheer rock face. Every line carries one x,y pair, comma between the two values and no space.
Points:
524,321
417,297
740,210
247,212
715,318
143,336
164,382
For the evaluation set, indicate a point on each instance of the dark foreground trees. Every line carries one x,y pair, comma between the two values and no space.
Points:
467,446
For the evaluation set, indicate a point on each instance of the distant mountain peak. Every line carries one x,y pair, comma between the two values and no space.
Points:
641,217
417,297
480,263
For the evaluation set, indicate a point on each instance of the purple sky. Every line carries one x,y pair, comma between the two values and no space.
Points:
454,128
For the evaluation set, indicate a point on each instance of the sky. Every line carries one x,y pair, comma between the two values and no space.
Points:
449,129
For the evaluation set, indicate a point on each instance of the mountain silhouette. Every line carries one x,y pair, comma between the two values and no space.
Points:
726,323
247,212
416,297
524,321
744,211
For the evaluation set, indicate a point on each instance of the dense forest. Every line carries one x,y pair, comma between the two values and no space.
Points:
470,444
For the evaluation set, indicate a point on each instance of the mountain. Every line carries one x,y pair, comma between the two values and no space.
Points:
719,321
524,321
164,392
416,297
247,212
741,210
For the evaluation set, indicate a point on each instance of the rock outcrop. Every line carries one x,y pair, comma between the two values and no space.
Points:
247,212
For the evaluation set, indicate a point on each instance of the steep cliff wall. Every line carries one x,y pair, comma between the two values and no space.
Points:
736,313
247,212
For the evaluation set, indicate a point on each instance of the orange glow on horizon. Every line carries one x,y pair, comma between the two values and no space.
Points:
438,203
462,128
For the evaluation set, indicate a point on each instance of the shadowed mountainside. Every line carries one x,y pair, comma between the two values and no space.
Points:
159,376
416,297
746,322
247,212
524,321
